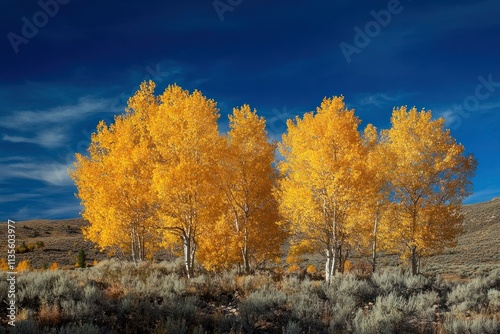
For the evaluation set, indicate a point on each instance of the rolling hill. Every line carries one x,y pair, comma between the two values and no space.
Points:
477,249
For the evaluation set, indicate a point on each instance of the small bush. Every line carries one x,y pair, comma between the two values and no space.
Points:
494,300
170,325
21,249
49,315
54,266
311,269
23,266
454,324
473,296
389,315
80,259
261,304
403,283
249,283
292,328
78,310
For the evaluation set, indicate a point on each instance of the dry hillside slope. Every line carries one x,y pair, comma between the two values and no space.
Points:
477,250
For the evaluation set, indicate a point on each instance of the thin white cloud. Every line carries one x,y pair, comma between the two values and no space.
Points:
19,197
483,195
27,120
454,115
48,139
14,158
58,210
50,173
378,99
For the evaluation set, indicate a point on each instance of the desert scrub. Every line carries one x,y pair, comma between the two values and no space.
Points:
78,310
390,314
247,284
396,280
493,300
478,324
473,296
307,304
349,284
170,325
46,286
263,304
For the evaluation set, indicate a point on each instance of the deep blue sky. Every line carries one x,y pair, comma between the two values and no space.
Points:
85,59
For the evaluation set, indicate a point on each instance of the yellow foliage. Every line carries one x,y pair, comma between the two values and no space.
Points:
311,269
294,269
293,259
430,176
23,266
323,179
347,266
4,266
114,181
249,229
162,176
54,266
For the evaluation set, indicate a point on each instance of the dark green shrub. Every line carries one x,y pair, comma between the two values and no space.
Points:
81,258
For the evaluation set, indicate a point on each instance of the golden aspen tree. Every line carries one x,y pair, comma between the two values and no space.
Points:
187,144
430,175
247,178
322,179
376,206
114,183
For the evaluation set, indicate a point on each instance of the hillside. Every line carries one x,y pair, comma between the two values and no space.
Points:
61,238
477,248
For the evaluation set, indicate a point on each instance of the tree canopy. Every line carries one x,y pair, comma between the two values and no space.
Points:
162,175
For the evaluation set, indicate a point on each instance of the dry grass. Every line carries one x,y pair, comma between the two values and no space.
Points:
49,315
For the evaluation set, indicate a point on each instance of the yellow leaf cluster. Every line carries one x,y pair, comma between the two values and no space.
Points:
4,266
23,266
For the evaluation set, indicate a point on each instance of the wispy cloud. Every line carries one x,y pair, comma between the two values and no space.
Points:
483,195
48,209
58,210
14,158
378,99
454,114
27,120
50,173
48,139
